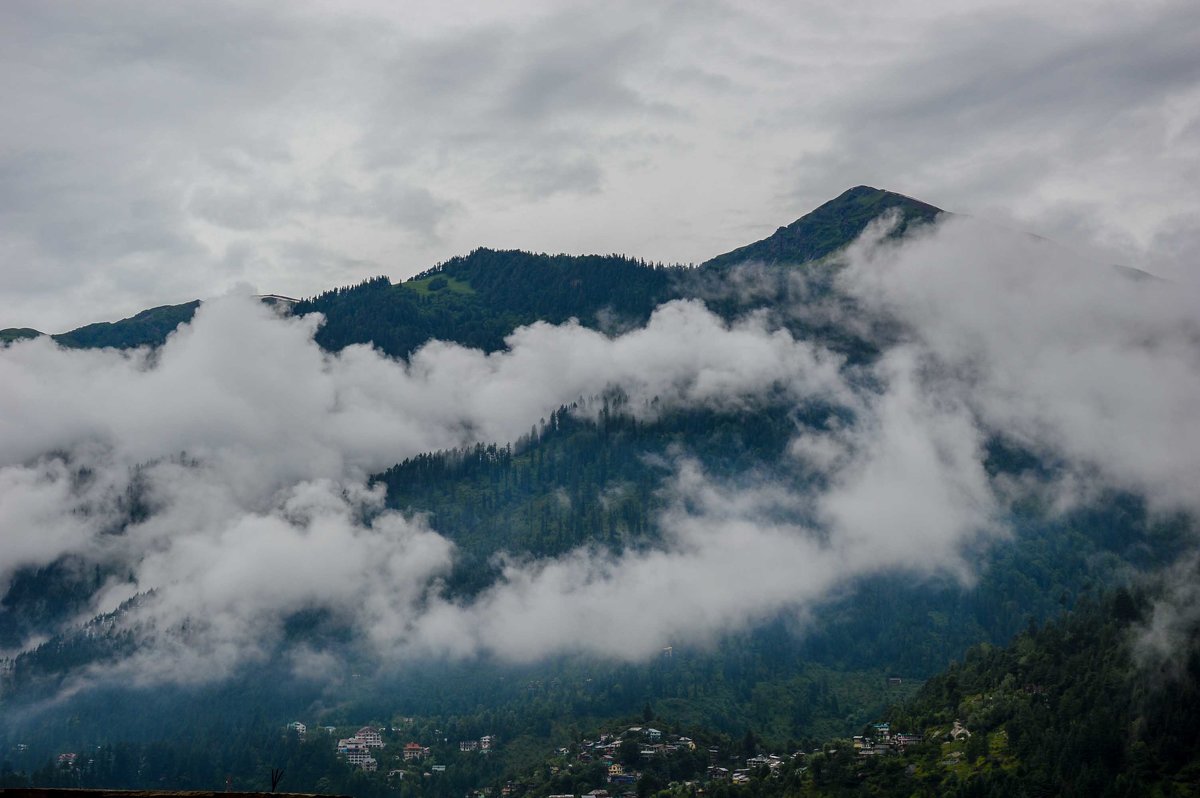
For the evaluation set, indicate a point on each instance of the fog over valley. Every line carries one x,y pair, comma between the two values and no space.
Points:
221,481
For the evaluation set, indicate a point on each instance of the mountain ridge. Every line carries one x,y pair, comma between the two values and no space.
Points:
578,283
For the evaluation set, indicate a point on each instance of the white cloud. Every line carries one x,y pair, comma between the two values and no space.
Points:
1077,359
250,446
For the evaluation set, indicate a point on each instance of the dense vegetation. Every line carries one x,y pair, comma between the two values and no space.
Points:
1083,705
479,299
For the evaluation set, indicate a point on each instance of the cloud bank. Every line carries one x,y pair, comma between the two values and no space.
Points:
247,449
1085,362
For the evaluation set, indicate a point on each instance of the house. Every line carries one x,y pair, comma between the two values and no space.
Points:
299,728
415,751
369,737
654,734
958,731
357,749
277,299
468,745
487,742
438,768
360,756
616,769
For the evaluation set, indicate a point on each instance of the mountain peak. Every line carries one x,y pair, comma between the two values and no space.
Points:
830,227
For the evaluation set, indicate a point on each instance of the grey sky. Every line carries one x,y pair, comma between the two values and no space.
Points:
155,153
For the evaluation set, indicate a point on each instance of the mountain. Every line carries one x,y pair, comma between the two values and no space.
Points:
597,480
478,299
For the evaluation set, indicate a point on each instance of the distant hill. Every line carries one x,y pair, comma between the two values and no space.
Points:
18,334
148,328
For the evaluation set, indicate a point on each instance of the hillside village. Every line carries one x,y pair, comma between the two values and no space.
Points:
643,760
631,761
367,748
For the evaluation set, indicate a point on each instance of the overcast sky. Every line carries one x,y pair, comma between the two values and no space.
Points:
154,152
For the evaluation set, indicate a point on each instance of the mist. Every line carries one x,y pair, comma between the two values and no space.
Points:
248,450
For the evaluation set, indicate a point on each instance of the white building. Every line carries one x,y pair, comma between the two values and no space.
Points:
369,737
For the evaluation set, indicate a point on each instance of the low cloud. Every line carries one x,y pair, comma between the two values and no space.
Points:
246,449
1078,360
221,477
1163,643
906,491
